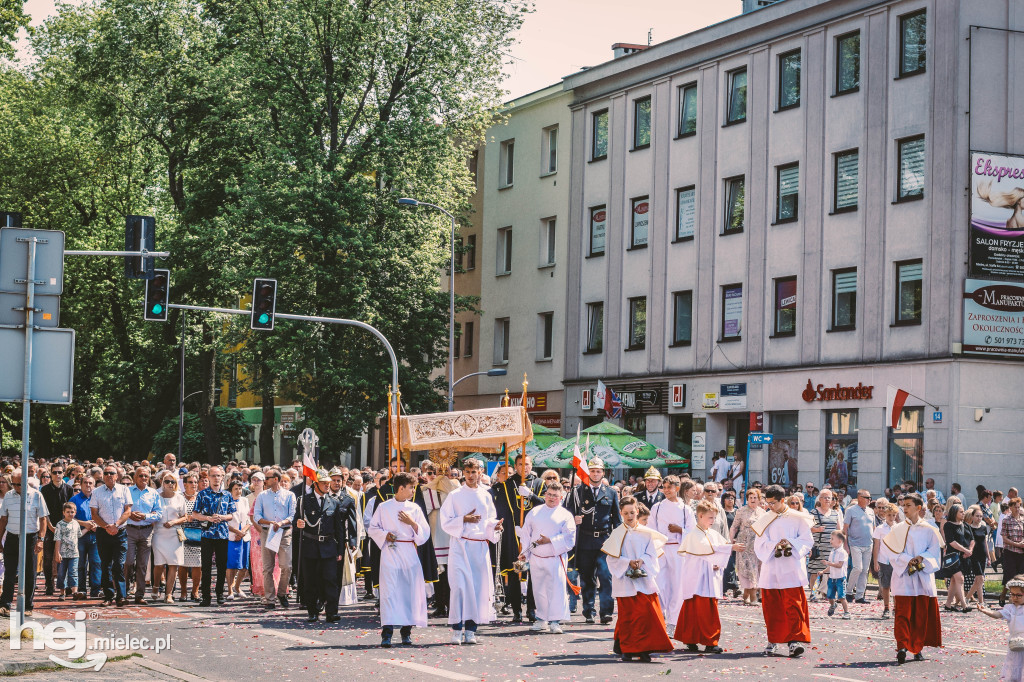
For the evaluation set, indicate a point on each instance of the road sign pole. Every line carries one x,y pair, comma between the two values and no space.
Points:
26,420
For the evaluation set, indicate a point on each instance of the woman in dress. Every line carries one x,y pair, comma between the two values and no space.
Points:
826,519
729,507
980,557
256,481
168,549
238,542
958,539
748,567
193,560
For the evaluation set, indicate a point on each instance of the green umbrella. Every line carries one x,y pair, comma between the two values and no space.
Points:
617,447
543,437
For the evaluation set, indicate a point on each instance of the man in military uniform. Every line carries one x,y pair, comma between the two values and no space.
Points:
651,493
300,490
347,501
513,499
327,526
596,508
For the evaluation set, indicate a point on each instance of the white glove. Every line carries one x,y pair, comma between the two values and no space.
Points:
524,491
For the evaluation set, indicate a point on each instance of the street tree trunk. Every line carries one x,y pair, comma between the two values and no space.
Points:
208,362
267,426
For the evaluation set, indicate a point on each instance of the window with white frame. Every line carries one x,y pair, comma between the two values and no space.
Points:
549,151
506,159
501,339
503,266
547,242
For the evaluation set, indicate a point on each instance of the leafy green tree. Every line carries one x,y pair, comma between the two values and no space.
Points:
234,432
12,17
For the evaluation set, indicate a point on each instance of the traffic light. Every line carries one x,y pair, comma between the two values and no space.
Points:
158,292
139,233
264,303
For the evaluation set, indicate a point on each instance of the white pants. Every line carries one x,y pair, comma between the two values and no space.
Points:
861,557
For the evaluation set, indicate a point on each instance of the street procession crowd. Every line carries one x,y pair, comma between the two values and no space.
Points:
658,551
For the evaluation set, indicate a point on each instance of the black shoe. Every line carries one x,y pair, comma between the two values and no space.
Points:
407,640
627,657
644,658
270,606
862,600
368,596
615,647
691,647
605,620
439,613
517,619
283,601
713,649
901,656
49,591
119,601
918,657
385,643
220,600
205,603
589,620
333,619
313,618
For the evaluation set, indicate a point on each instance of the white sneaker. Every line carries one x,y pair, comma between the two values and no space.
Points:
556,628
539,626
470,637
795,649
769,650
456,637
242,594
230,597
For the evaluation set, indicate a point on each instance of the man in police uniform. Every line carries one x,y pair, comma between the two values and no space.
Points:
327,526
651,494
596,508
518,490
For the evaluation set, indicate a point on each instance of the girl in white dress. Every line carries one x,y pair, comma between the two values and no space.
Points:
1013,614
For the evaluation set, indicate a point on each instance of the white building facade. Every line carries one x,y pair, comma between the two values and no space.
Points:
768,226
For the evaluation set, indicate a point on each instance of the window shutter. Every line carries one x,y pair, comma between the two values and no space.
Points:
912,272
789,181
847,180
912,171
846,282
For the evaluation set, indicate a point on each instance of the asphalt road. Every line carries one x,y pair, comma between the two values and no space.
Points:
242,642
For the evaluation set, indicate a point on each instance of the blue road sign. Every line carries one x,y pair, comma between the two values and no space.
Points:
757,437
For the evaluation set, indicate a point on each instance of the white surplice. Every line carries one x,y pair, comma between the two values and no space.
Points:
403,595
626,544
704,554
469,562
434,495
903,543
783,572
677,513
548,562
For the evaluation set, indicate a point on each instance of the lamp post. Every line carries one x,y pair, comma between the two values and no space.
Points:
181,422
500,372
406,201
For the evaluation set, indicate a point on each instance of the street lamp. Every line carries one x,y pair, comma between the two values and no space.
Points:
181,421
415,203
491,373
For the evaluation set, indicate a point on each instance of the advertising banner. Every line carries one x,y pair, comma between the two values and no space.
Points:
782,468
640,221
993,318
732,316
997,216
685,213
598,218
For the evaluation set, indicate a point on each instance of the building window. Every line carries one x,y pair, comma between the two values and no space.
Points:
913,44
785,306
687,110
909,275
686,212
911,168
682,439
474,161
844,299
501,336
734,205
848,63
599,139
468,346
460,251
507,158
789,80
906,447
598,221
637,323
782,453
549,153
458,340
642,123
640,210
846,185
841,448
545,330
547,242
504,252
682,318
736,111
471,252
732,312
595,327
787,180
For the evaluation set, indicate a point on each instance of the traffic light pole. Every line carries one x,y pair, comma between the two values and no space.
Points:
324,320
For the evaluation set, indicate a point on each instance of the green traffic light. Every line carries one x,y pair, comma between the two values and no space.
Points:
157,308
264,318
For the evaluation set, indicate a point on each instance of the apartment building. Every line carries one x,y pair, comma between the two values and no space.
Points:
768,225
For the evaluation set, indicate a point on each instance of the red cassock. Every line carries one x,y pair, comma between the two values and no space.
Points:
785,615
698,622
917,623
640,628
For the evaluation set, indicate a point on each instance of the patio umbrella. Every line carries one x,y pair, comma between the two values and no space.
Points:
617,447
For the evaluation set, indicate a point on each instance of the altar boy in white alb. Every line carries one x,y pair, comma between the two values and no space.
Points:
914,550
398,527
673,518
783,543
548,534
469,518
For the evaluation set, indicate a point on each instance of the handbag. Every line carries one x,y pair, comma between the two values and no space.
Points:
815,554
181,535
193,536
1017,643
950,564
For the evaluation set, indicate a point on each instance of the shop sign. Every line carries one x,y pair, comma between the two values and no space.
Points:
535,402
709,401
631,399
997,228
586,399
551,420
287,421
734,397
837,392
678,395
993,318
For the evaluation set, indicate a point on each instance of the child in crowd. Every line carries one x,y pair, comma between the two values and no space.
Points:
1013,614
837,574
66,553
887,512
643,514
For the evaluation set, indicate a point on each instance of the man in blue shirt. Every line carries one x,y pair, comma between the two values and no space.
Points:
214,507
274,510
146,512
88,552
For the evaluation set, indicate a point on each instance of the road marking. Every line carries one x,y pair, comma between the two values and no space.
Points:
427,669
167,670
837,677
286,635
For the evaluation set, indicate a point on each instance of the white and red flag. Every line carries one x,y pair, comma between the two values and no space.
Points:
895,399
608,401
579,463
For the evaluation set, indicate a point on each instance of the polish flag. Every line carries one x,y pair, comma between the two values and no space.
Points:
895,398
308,464
578,461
